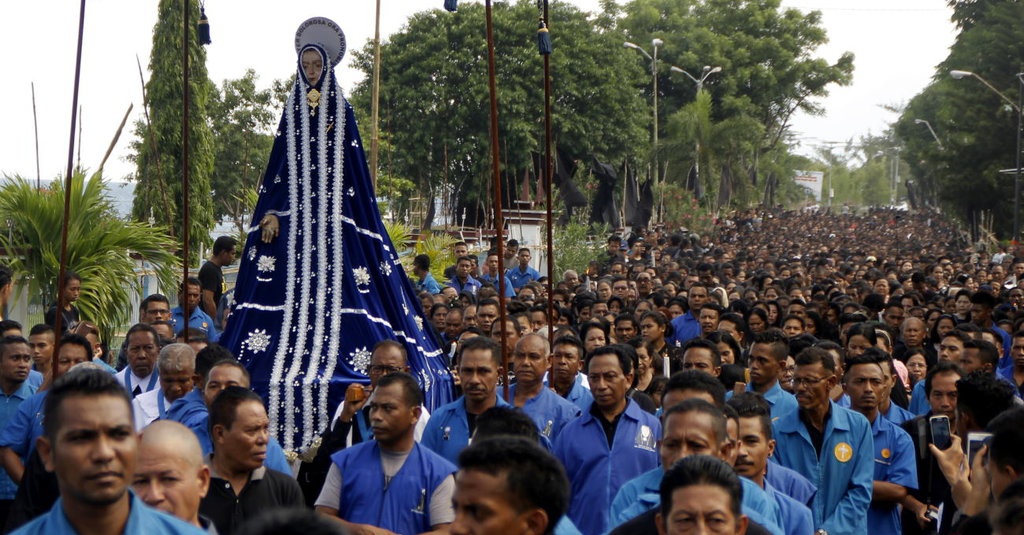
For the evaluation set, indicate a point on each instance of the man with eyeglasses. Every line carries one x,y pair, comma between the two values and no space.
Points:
829,444
895,471
140,375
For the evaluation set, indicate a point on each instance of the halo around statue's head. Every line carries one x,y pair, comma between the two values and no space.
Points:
323,32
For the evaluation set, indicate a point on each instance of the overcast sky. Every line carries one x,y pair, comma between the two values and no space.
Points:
897,45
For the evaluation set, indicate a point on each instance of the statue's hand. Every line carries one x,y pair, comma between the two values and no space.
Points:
270,227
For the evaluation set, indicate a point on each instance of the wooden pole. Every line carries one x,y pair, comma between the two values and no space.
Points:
375,102
185,214
499,222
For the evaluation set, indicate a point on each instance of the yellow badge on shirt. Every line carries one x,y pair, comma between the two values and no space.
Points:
886,453
843,452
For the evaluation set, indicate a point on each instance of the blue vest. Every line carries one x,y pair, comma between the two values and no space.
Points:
403,506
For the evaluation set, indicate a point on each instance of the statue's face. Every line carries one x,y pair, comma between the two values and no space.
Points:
312,65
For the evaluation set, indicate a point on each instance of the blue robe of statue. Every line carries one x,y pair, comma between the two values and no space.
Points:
309,306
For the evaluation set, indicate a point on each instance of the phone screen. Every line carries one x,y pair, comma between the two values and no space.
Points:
975,441
940,432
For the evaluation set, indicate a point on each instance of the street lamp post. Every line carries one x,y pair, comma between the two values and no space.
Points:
705,72
958,75
655,43
932,130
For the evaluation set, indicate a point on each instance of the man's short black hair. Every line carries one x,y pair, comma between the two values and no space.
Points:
143,327
574,341
940,367
484,343
154,298
717,415
753,405
210,356
411,393
983,396
700,470
40,328
1006,447
9,325
224,243
620,352
816,355
988,353
777,341
422,261
90,382
6,275
704,343
505,421
76,340
533,477
224,408
10,340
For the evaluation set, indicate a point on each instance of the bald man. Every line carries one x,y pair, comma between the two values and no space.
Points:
176,365
170,474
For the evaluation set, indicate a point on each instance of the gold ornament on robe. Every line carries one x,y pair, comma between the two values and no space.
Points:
313,98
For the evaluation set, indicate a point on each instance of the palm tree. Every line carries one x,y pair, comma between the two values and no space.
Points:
101,247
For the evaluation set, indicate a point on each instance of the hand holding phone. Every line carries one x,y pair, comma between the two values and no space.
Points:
941,434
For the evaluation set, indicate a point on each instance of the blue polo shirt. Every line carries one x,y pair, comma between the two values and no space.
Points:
141,519
641,494
796,517
520,277
789,482
447,431
25,425
8,407
894,463
897,414
597,470
549,411
510,290
428,284
684,328
919,399
844,472
780,401
471,286
198,320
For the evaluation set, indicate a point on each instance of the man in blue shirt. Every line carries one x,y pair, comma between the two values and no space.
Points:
686,326
15,363
524,273
18,436
463,281
895,470
610,444
692,427
753,447
829,444
767,358
390,482
564,376
491,274
452,425
427,282
549,411
197,319
92,449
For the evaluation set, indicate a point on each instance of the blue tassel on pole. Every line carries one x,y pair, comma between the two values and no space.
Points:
451,5
203,28
543,39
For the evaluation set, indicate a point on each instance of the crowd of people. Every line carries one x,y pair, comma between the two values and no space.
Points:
791,373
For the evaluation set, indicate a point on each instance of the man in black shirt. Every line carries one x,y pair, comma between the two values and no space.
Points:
212,278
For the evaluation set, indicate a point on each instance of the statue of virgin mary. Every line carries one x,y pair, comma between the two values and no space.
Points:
320,281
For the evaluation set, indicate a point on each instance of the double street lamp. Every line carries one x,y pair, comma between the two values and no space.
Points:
705,72
653,57
1016,106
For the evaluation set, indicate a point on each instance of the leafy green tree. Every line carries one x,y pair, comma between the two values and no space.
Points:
769,72
241,117
158,192
102,248
434,101
976,126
